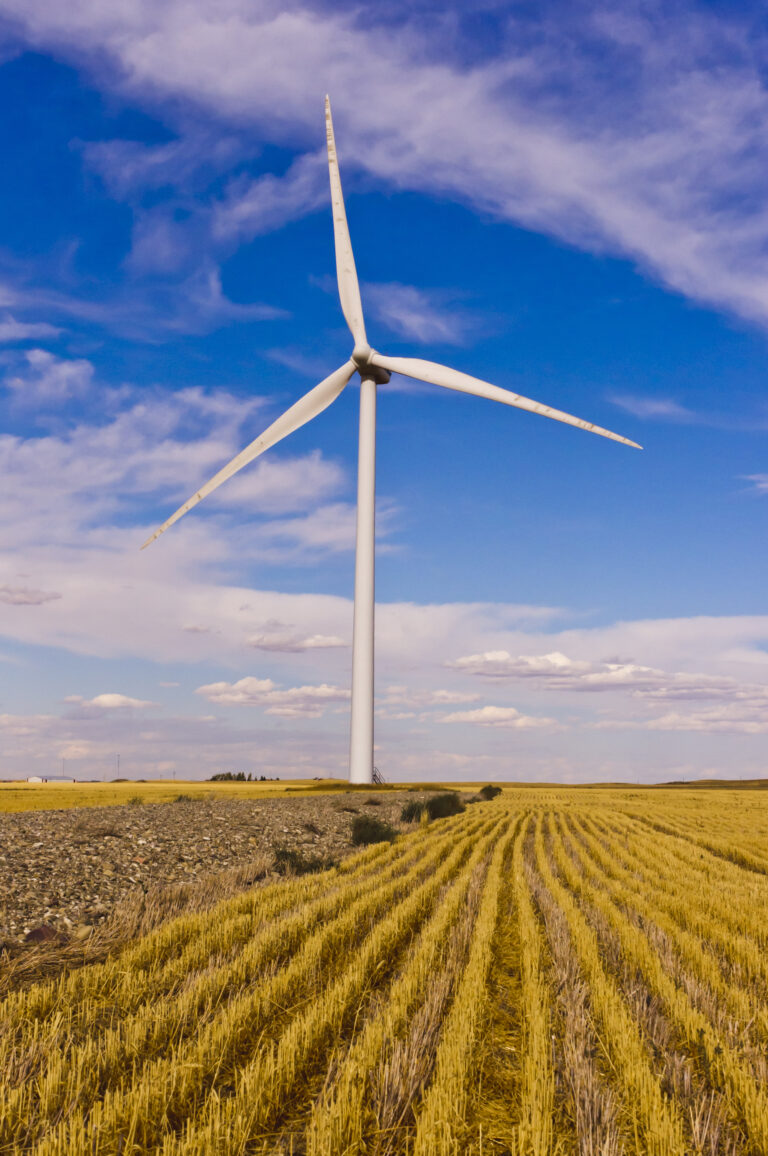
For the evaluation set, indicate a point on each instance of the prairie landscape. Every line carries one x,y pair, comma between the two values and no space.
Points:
550,971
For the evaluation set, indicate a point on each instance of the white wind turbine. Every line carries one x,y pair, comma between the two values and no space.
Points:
374,369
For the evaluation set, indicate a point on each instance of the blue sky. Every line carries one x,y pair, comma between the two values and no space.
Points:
569,203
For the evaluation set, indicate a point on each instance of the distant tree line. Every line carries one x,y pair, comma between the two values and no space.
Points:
241,777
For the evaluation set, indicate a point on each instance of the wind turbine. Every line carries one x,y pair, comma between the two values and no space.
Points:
374,369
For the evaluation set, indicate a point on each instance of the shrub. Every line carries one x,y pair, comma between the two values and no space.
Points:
183,799
372,802
135,800
412,812
440,806
312,828
291,862
366,829
490,792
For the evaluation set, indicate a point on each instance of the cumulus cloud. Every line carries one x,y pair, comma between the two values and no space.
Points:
48,379
737,706
284,642
109,701
558,672
499,716
166,443
291,702
730,718
405,696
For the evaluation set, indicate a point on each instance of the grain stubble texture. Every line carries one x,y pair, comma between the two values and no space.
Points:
552,972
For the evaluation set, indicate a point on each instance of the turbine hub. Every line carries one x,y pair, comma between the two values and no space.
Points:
361,355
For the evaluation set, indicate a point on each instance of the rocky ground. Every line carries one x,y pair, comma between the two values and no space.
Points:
62,873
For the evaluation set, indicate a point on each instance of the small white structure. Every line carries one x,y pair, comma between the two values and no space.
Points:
50,779
374,369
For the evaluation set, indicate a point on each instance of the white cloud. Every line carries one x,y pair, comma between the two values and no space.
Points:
109,701
759,483
48,379
557,672
284,642
251,207
129,167
283,484
665,168
26,596
12,330
405,696
419,314
498,716
294,702
728,719
733,718
189,300
654,408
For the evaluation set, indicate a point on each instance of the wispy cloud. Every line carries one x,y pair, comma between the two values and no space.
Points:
665,168
759,483
654,408
26,596
251,207
12,330
188,298
419,314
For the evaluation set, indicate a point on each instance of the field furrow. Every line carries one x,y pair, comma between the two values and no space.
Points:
653,1125
720,999
725,1068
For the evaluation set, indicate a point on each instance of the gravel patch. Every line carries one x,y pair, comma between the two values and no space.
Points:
64,872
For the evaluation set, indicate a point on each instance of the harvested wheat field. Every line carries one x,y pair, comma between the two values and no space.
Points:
552,971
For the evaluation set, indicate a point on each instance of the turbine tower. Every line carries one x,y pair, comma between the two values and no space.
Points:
374,369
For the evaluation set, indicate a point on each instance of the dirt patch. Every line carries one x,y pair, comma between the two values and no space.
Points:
64,872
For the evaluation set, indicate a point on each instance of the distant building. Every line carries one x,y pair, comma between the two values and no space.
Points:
50,779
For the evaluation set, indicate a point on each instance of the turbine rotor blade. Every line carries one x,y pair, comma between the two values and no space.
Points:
346,274
453,379
307,407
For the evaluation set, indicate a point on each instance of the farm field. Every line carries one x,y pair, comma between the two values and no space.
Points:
555,971
18,796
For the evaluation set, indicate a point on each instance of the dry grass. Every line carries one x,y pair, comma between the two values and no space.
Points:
130,920
544,975
16,796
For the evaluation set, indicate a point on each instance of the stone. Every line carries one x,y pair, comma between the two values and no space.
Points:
44,933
